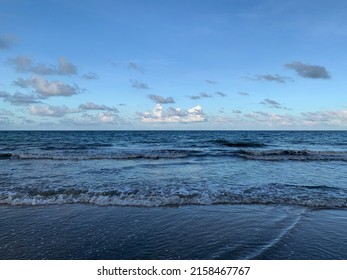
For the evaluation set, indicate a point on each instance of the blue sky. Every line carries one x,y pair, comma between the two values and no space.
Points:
108,64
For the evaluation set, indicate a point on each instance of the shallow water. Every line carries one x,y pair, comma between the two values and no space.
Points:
186,232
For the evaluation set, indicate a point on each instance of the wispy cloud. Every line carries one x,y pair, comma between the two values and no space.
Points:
138,85
47,89
96,107
273,104
6,41
173,115
271,78
90,76
236,112
136,67
24,64
104,118
329,118
51,111
222,94
19,99
200,95
308,70
4,112
160,99
272,120
243,93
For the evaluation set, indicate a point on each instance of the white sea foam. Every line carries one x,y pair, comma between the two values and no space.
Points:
309,196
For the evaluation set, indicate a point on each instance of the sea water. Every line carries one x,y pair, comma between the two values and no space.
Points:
161,168
173,195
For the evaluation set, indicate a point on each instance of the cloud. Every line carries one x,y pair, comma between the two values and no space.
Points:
201,95
136,67
6,41
18,98
90,76
329,118
4,94
92,106
211,82
51,111
243,93
195,97
4,112
99,119
108,118
173,115
24,64
47,89
271,120
5,121
222,94
308,70
273,104
138,85
21,99
236,111
65,67
271,78
160,99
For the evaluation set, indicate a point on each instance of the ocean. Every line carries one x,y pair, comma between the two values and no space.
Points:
173,194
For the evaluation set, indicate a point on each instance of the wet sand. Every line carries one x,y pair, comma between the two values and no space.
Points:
77,231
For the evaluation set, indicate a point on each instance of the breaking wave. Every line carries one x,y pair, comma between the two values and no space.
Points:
153,154
226,143
298,155
282,194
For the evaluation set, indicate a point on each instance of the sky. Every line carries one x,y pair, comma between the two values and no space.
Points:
174,64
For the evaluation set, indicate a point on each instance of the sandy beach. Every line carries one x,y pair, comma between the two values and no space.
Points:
189,232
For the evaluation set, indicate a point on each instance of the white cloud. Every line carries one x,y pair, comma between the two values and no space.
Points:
93,106
271,78
18,98
6,41
25,64
46,89
138,84
65,67
51,111
330,118
173,115
270,119
160,99
4,112
106,118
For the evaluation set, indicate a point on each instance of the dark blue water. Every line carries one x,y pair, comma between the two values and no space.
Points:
174,168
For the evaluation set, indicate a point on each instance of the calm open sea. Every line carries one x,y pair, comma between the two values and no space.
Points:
300,170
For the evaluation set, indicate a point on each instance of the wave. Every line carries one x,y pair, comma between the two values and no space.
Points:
153,154
281,194
5,156
70,146
227,143
297,155
125,155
